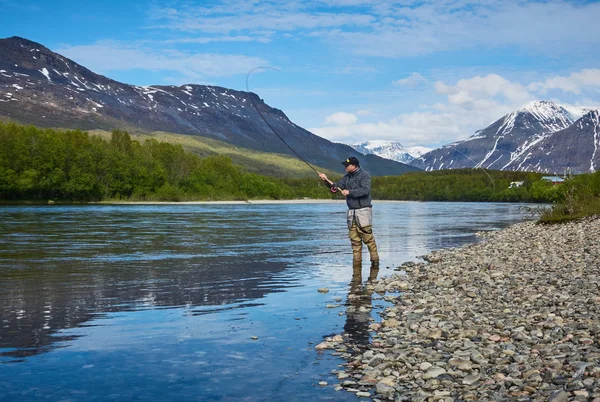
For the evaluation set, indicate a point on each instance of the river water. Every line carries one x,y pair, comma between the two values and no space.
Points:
163,302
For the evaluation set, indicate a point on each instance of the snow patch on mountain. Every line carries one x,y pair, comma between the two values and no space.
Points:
390,150
577,112
46,73
552,116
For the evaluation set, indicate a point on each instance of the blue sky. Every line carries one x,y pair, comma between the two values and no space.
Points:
419,72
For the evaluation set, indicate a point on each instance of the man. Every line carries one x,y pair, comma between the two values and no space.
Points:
356,187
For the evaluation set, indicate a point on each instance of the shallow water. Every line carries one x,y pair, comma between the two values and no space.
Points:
161,302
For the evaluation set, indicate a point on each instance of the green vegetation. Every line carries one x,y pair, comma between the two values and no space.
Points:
45,164
37,164
466,185
579,197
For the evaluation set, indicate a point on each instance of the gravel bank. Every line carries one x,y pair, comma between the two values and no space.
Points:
515,317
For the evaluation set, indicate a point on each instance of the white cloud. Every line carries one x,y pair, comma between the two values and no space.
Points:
108,56
468,93
341,119
365,112
410,129
413,80
577,82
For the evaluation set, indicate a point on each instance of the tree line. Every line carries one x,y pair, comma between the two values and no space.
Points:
71,165
467,185
43,164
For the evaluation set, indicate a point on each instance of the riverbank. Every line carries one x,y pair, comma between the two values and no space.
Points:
514,317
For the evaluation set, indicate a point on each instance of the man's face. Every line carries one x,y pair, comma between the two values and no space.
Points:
350,168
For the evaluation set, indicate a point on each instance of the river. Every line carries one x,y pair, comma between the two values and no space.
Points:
195,302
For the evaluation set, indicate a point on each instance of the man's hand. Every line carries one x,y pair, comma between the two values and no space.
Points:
323,176
345,192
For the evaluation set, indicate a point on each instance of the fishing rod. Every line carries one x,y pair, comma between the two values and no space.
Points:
265,120
331,187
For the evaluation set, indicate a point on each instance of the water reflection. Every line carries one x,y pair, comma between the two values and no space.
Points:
35,305
61,267
359,306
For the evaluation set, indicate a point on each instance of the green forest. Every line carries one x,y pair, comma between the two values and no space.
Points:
38,165
46,164
466,185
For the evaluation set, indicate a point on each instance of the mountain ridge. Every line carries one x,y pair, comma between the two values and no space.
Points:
43,88
513,139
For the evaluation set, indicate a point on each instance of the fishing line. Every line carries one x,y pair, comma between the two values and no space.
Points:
478,167
265,120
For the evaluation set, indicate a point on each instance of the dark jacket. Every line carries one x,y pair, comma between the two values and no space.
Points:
359,185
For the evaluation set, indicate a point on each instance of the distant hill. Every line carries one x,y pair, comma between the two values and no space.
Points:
43,88
542,136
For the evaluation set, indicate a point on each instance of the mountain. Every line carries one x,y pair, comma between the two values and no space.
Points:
576,148
390,150
43,88
510,142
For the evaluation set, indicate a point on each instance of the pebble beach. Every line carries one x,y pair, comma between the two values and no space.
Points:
514,317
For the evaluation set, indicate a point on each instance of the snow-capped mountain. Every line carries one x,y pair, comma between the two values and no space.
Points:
514,141
576,148
390,150
43,88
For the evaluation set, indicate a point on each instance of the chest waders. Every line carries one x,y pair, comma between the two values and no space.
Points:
360,230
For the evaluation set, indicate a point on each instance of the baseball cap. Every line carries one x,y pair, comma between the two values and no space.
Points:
351,161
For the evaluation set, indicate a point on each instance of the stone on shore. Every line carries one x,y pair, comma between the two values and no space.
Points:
513,317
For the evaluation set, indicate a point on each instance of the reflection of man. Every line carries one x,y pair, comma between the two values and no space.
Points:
356,187
357,320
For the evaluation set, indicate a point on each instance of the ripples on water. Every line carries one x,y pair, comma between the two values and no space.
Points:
160,302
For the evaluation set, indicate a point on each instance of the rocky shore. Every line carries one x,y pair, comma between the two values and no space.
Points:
515,317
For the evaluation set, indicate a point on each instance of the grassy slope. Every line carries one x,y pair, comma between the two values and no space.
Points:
264,163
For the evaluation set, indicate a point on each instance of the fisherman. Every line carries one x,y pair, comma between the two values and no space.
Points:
356,187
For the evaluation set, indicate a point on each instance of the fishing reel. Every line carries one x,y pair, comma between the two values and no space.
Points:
332,188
